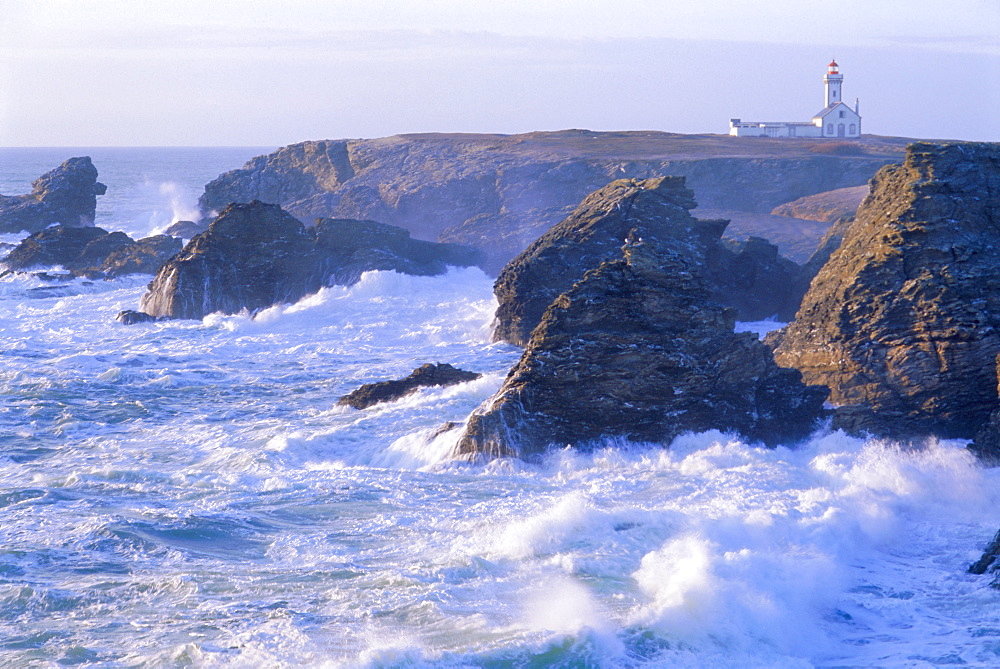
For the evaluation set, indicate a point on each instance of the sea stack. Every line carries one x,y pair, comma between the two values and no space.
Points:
903,322
636,348
65,195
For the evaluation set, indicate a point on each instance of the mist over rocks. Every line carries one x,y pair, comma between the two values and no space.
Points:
66,195
92,252
498,193
751,277
257,255
638,349
902,322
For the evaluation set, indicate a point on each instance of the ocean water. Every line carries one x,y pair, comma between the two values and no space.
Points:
188,494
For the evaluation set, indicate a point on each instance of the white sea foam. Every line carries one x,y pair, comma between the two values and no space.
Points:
189,493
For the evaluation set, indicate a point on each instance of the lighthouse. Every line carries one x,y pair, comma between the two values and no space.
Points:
835,119
833,79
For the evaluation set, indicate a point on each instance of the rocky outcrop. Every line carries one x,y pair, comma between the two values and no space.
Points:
186,229
637,349
499,192
903,322
752,278
92,252
67,195
256,255
438,374
830,206
988,563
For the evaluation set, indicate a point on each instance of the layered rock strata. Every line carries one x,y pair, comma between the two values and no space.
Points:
438,374
752,278
902,322
256,255
65,195
637,349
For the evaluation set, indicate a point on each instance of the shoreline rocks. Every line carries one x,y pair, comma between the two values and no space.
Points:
903,322
752,278
256,255
66,195
637,349
91,252
438,374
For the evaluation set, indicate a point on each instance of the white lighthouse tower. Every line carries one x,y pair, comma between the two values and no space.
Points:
833,79
835,119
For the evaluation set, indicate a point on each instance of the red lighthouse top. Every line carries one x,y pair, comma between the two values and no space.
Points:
834,68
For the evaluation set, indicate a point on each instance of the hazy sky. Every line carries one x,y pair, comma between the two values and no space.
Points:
221,72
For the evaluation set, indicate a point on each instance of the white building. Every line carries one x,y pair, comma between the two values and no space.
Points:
836,119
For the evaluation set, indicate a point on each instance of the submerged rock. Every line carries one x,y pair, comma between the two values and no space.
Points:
439,374
91,252
903,322
754,279
637,349
66,195
130,317
256,255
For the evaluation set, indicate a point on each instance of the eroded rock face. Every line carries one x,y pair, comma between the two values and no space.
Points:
256,255
637,349
498,193
438,374
66,195
92,252
753,278
902,322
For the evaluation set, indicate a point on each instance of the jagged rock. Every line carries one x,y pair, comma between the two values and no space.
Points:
754,280
498,193
350,248
58,245
830,206
144,256
988,561
129,317
185,229
256,255
902,322
65,195
386,391
637,349
91,252
987,442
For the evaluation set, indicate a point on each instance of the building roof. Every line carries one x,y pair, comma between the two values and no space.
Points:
826,110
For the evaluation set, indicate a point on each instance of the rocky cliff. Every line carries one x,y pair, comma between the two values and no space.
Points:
751,278
256,255
637,349
66,195
903,321
500,192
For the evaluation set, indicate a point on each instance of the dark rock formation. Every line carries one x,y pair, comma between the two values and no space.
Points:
66,195
987,442
92,252
988,561
257,255
386,391
186,229
637,349
130,317
753,279
500,192
830,207
903,322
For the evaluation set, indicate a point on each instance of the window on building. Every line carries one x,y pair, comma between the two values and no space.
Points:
841,113
829,128
853,129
